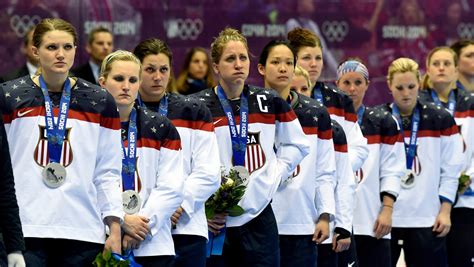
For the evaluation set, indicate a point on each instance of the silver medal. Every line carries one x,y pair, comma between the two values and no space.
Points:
243,174
131,202
54,175
408,181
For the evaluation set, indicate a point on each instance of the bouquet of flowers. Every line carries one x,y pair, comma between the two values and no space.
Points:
464,182
112,259
227,197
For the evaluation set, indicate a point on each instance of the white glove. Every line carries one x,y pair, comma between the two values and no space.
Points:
15,259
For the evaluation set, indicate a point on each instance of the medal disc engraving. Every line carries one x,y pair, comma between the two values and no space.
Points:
131,202
243,174
54,175
408,181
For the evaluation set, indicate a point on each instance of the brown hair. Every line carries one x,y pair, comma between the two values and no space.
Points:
426,83
300,37
225,36
181,83
91,36
458,46
403,65
119,55
50,24
154,46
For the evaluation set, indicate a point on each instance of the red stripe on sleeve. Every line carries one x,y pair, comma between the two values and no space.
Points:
325,134
172,144
286,116
310,130
340,148
450,131
195,125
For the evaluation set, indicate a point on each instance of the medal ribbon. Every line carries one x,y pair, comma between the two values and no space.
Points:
360,114
239,140
55,131
162,109
317,93
415,125
129,155
451,101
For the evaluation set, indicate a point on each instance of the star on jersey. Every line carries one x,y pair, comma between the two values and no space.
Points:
207,94
266,92
93,103
162,125
202,99
306,101
7,94
14,86
251,93
315,118
85,84
22,81
153,129
328,98
18,99
74,100
425,116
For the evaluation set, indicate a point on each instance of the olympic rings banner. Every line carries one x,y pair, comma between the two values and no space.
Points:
377,31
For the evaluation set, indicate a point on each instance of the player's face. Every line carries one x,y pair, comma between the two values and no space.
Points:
466,61
300,85
56,52
156,70
355,85
311,59
198,66
279,68
404,88
441,68
122,82
233,66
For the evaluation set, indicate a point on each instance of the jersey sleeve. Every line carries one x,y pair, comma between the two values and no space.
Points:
345,185
167,194
325,167
204,178
107,172
10,224
392,157
451,161
290,141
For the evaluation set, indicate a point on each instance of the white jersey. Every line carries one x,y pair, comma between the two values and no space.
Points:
381,172
271,123
201,165
464,116
436,168
91,155
159,179
309,191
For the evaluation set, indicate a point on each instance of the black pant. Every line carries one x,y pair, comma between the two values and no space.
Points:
156,261
190,250
326,256
460,240
372,252
297,250
420,245
60,252
348,257
254,244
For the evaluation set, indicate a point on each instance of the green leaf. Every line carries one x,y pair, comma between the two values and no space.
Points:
108,255
210,213
236,211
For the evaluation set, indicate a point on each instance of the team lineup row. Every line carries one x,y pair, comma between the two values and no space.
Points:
331,182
